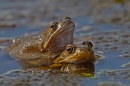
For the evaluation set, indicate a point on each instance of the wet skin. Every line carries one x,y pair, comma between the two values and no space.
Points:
76,60
75,54
71,55
47,44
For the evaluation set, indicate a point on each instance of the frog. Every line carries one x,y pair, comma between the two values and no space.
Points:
72,54
77,54
46,44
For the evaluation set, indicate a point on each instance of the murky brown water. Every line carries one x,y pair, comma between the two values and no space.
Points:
105,23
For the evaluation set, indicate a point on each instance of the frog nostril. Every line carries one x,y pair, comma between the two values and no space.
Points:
88,43
68,18
64,18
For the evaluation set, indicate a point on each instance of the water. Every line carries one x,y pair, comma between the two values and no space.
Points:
109,33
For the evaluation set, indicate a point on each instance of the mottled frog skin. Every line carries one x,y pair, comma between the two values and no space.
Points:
76,54
46,44
71,55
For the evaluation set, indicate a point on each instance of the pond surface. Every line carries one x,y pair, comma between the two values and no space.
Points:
104,23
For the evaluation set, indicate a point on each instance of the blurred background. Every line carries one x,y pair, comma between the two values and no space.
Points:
33,12
106,23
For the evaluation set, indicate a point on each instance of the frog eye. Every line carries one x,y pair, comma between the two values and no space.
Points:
53,26
88,43
70,49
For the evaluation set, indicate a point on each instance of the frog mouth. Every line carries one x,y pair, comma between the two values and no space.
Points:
58,33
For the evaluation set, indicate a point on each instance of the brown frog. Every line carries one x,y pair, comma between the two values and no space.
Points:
71,55
49,43
74,60
74,54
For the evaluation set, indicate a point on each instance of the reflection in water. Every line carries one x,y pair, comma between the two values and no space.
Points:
85,69
35,63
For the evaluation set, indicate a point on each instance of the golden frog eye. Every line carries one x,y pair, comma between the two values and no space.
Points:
88,43
70,49
53,26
